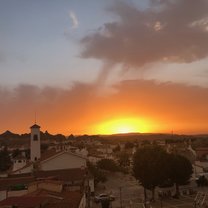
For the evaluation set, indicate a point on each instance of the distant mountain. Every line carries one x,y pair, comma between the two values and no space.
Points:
9,135
10,138
144,136
49,136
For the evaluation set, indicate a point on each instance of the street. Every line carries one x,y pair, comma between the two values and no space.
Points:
129,194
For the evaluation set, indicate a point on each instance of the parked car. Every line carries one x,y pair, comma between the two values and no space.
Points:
102,197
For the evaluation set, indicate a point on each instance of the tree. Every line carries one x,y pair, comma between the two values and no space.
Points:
71,137
202,181
44,147
145,142
105,203
152,166
179,170
117,149
123,159
129,145
27,153
99,176
16,153
148,167
5,160
107,164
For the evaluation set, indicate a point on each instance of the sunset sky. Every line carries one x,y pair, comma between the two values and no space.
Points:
104,66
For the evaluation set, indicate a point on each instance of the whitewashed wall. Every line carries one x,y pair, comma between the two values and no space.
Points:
63,161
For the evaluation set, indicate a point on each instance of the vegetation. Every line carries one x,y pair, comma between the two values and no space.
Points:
179,170
108,164
5,160
202,181
105,203
152,166
117,149
16,153
44,147
129,145
99,176
123,159
148,167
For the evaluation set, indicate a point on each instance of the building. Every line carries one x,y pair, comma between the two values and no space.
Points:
19,162
14,186
24,202
61,175
49,160
56,180
47,199
202,153
35,152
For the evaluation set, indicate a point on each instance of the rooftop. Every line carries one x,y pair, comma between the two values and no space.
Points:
75,174
64,199
35,126
24,201
5,183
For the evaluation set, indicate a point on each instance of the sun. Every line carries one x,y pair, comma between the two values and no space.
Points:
123,125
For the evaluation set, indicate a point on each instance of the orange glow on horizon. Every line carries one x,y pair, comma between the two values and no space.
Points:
124,125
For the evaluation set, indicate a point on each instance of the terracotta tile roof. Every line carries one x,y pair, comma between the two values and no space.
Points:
5,183
67,175
24,201
62,200
75,174
47,181
19,175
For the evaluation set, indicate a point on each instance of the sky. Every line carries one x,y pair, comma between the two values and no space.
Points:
102,67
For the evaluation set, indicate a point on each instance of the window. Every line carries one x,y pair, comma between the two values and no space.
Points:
35,137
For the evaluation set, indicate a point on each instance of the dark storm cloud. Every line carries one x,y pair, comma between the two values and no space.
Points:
175,31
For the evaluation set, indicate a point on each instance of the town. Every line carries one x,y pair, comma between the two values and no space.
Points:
44,170
103,104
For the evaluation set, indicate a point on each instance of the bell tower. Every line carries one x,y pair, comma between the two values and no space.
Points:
35,143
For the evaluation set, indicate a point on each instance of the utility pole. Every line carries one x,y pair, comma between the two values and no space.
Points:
161,204
120,196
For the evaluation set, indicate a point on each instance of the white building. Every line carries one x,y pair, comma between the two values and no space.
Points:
55,161
35,143
50,160
63,160
19,162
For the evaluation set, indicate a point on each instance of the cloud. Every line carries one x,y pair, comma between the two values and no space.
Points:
74,20
75,110
168,31
201,23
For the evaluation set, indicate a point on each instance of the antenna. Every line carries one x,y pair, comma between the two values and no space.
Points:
35,117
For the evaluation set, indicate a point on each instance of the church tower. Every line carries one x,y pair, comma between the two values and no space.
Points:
35,143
